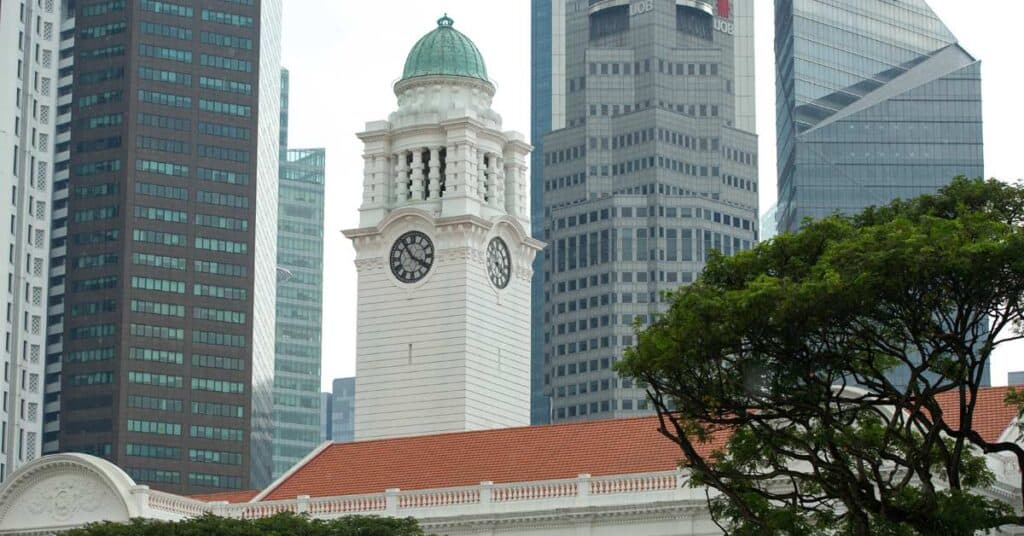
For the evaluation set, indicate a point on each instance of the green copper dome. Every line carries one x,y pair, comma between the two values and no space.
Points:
445,51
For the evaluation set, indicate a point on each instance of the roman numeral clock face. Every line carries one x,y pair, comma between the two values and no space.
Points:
412,255
499,263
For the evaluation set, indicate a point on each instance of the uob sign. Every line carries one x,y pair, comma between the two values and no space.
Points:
722,21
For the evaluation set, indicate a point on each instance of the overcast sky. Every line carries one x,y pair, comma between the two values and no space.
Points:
345,55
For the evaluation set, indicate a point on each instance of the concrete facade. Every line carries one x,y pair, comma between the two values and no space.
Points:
29,60
448,351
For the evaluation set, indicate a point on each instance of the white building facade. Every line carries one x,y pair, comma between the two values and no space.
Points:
443,254
30,32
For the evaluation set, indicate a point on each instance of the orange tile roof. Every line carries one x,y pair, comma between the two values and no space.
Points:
992,416
608,447
229,496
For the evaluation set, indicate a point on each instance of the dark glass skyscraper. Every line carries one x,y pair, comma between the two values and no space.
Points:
876,100
650,163
166,342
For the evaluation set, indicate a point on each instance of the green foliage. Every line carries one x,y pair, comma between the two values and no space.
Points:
791,348
285,524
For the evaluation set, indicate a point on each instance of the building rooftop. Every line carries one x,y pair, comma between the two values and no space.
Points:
445,52
524,454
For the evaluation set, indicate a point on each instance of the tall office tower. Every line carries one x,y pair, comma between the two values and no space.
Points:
300,255
29,33
443,253
343,410
58,232
876,100
325,416
168,318
653,166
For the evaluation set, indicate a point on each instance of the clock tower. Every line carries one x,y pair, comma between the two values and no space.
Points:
443,253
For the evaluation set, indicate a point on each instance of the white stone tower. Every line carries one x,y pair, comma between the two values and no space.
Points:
444,254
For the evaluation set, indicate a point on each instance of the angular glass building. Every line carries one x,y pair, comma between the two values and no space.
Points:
300,259
645,160
876,100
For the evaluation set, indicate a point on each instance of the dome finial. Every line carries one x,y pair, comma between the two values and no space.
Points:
445,21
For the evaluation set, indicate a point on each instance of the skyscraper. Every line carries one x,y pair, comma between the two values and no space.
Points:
343,409
300,257
168,302
650,164
876,100
30,33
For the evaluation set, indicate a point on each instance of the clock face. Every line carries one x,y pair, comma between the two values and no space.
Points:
412,255
499,263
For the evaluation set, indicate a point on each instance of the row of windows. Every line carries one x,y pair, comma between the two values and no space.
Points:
155,404
214,456
227,18
222,153
227,108
214,481
152,451
100,167
156,356
223,246
167,8
221,268
92,378
218,410
101,8
163,145
220,175
96,190
218,339
227,86
160,190
159,380
95,77
158,261
165,76
158,308
165,53
96,237
101,31
218,362
154,475
218,315
216,433
667,67
163,121
93,261
97,283
87,356
224,200
102,121
93,331
99,99
101,144
221,62
157,332
158,237
215,291
222,40
217,386
165,99
102,53
93,308
95,214
166,30
161,168
160,285
222,222
223,131
154,427
161,214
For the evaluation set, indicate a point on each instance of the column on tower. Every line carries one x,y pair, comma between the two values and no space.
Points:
434,187
401,178
416,176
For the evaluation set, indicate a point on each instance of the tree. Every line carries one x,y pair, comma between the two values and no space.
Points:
790,350
285,524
